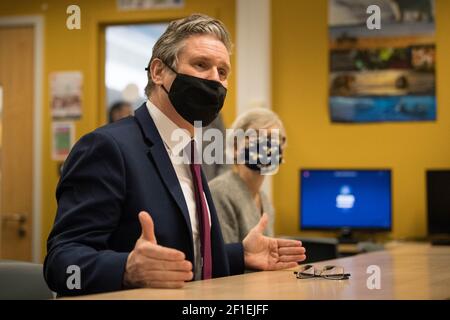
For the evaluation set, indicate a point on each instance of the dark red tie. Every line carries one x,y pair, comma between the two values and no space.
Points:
202,214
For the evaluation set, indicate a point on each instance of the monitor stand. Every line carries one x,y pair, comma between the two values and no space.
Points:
346,236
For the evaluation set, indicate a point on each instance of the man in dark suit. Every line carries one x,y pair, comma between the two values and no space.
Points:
129,215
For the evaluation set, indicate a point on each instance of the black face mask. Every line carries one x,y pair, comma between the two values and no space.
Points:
196,99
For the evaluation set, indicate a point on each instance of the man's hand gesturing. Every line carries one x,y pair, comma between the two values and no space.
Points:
152,265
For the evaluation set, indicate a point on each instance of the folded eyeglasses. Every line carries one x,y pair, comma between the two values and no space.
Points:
328,272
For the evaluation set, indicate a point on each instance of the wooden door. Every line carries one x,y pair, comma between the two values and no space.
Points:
16,142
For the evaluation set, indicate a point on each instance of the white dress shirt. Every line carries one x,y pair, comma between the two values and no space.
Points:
165,128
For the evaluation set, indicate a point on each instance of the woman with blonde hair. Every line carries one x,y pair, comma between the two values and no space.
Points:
237,194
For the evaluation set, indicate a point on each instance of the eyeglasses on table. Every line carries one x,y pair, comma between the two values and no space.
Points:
328,272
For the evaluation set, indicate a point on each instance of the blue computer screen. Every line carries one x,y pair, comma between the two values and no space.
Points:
345,199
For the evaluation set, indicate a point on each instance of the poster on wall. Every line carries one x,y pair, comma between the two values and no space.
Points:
385,74
63,134
148,4
65,94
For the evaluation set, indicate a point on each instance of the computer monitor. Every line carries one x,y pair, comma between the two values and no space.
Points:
345,200
438,202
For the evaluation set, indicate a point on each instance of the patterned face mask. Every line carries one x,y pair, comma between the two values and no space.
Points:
262,155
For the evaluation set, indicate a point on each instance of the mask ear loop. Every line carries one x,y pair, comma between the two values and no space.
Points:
147,68
171,69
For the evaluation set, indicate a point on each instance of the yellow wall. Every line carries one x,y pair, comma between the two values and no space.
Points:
299,83
300,69
80,50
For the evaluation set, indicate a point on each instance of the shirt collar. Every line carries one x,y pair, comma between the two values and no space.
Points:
167,127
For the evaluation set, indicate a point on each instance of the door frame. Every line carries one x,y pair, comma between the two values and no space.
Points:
37,22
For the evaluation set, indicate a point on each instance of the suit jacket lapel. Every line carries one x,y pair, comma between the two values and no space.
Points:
162,161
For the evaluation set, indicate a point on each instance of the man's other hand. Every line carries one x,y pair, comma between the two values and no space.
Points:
265,253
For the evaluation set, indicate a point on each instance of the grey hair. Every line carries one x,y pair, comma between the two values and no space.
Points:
172,40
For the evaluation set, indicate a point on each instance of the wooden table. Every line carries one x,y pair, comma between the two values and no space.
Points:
408,271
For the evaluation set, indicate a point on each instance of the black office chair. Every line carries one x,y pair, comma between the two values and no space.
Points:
23,281
319,249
